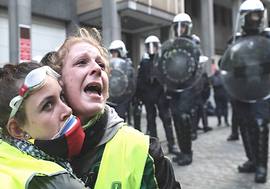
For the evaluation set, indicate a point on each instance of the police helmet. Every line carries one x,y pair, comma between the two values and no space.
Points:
251,16
118,46
152,44
182,25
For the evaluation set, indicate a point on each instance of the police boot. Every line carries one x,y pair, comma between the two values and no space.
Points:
207,128
194,135
247,167
185,159
262,154
219,121
185,134
172,149
233,137
260,174
177,157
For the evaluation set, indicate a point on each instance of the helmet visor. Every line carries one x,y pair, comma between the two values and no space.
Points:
152,47
182,28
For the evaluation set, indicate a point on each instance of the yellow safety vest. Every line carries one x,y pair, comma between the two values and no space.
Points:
17,168
123,160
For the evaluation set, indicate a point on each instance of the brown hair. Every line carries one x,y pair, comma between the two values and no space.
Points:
91,36
11,77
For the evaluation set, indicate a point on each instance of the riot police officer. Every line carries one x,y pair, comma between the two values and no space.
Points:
201,103
117,48
221,98
178,68
246,78
122,78
151,93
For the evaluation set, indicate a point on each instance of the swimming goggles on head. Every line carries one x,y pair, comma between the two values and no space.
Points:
34,80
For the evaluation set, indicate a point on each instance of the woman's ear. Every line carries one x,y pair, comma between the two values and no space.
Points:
14,129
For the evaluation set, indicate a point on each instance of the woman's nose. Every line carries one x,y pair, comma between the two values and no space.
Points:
66,111
95,69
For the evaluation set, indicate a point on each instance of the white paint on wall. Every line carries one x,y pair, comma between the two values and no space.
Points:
4,38
47,35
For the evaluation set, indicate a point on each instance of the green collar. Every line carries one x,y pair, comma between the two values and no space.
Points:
93,120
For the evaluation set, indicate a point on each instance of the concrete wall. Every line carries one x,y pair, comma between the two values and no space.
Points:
223,27
4,42
47,35
166,5
59,9
222,23
4,3
87,5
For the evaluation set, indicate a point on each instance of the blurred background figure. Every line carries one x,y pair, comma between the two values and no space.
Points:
221,98
235,123
152,95
122,79
201,102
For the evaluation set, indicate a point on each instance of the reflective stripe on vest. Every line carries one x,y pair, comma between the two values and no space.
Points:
123,160
17,168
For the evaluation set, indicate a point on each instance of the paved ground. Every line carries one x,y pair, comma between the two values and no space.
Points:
215,162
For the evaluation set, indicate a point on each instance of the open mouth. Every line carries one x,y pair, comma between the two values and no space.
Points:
93,88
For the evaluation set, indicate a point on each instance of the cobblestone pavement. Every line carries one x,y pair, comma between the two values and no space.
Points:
215,161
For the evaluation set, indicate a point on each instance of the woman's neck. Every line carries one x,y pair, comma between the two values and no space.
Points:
87,122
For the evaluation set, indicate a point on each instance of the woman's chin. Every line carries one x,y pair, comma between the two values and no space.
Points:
94,108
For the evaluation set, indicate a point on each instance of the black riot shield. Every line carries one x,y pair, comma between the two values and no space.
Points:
178,66
245,68
122,80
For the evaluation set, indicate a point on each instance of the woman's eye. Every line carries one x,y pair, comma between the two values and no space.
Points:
47,106
82,62
102,65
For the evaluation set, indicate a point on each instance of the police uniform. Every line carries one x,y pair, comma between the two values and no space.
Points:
252,118
151,92
221,98
201,103
124,82
253,121
245,69
122,79
183,105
